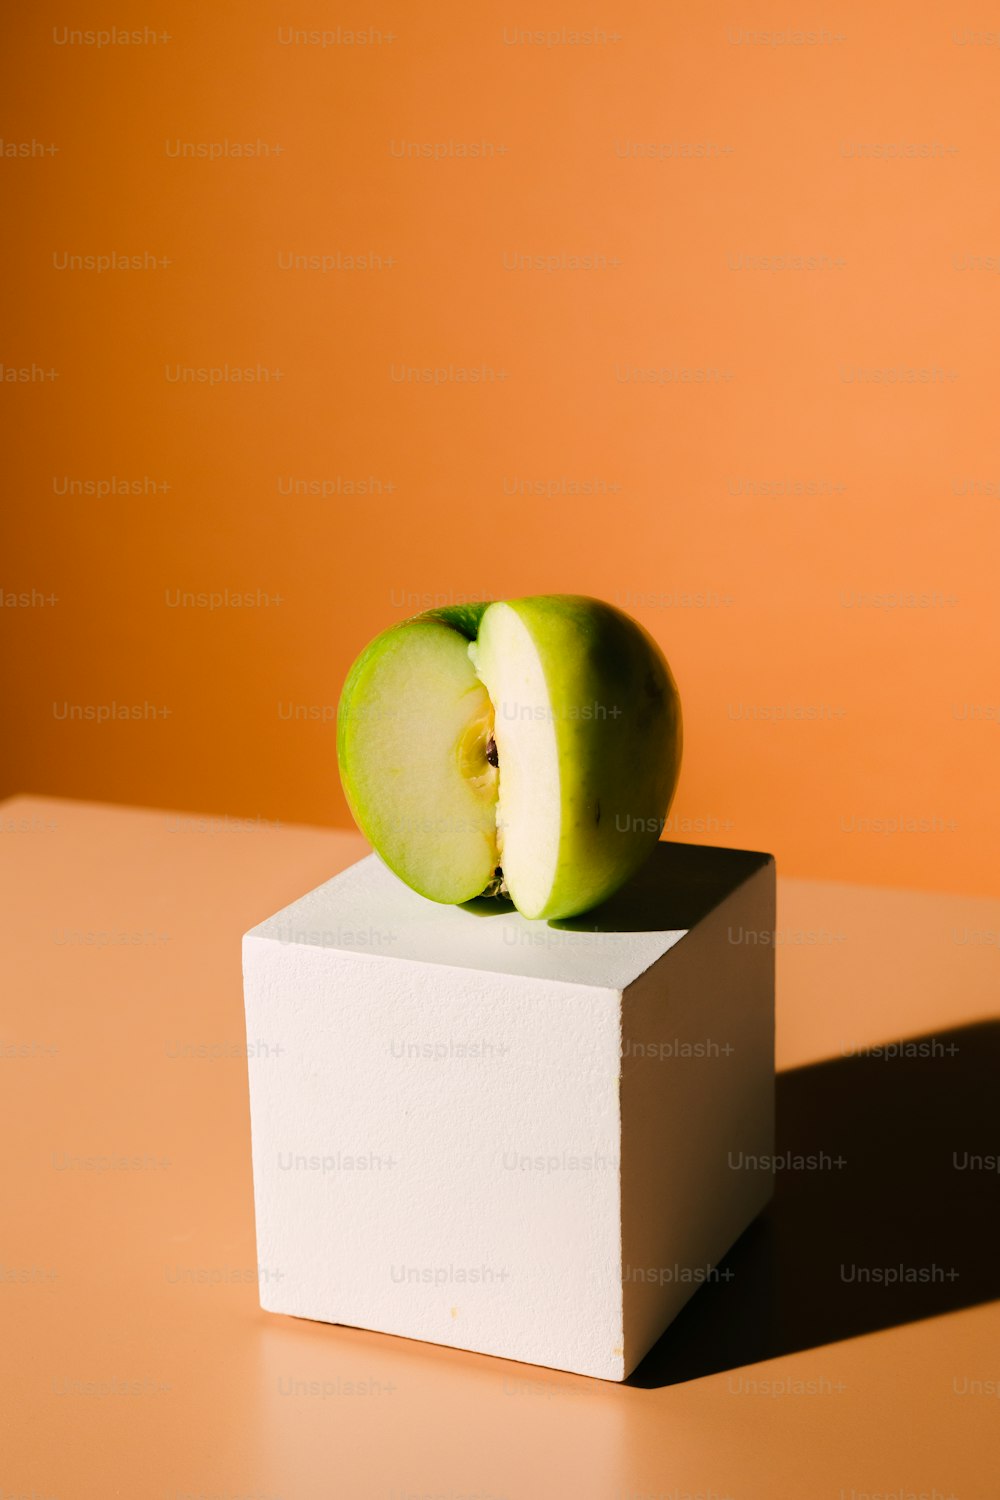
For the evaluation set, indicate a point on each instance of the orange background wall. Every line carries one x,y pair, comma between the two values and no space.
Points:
755,521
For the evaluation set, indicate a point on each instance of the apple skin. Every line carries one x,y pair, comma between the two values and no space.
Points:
465,618
619,738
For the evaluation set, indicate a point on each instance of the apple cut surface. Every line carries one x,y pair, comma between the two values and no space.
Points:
413,730
588,734
529,809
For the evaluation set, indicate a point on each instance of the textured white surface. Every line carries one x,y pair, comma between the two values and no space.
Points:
366,910
455,1145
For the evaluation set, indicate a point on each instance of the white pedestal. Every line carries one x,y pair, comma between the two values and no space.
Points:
502,1136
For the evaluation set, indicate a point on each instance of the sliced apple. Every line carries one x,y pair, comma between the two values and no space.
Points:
414,730
535,743
588,734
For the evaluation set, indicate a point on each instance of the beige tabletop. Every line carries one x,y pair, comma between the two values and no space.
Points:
854,1351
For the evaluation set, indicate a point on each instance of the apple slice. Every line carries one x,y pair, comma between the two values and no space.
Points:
588,735
414,730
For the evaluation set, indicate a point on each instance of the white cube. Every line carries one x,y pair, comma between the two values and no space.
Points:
525,1139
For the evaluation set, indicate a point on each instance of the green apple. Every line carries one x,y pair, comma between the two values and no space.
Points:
530,747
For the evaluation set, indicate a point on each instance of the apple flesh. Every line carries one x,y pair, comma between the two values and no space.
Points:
531,746
413,730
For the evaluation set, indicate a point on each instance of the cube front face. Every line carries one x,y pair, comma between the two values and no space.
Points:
436,1154
505,1161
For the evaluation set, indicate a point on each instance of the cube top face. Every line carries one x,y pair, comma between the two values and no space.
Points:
367,910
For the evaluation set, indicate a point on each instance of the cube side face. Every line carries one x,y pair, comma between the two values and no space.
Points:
697,1107
436,1153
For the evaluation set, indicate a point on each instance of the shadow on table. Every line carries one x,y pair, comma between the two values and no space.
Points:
908,1204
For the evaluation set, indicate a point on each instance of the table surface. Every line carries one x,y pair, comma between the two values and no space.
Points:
853,1352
